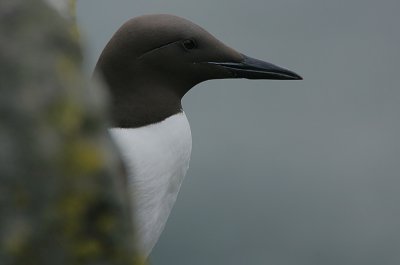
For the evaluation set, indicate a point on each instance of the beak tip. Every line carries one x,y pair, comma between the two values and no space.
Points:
297,77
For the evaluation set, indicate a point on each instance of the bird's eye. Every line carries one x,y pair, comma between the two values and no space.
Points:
189,44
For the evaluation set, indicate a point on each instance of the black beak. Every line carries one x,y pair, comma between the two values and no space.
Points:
251,68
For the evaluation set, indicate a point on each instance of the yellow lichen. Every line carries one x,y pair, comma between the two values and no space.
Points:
67,116
72,7
88,248
83,157
73,206
66,69
106,223
16,239
22,197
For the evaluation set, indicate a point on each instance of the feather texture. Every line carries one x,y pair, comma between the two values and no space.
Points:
157,158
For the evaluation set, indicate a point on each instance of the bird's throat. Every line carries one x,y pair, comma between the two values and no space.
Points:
135,109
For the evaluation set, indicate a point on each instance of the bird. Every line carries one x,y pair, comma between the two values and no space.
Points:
148,65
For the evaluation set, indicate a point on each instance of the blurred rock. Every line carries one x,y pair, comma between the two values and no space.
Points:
62,195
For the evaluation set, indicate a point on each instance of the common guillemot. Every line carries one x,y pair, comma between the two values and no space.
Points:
149,65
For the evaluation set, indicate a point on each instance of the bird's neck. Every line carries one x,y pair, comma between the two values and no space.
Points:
141,96
137,105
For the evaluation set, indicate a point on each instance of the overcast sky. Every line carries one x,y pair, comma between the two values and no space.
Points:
285,172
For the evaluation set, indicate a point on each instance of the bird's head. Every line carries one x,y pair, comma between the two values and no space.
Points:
171,51
153,60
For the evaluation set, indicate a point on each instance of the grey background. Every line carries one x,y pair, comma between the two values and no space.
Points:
285,172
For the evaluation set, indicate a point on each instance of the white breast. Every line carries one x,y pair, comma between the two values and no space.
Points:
157,157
